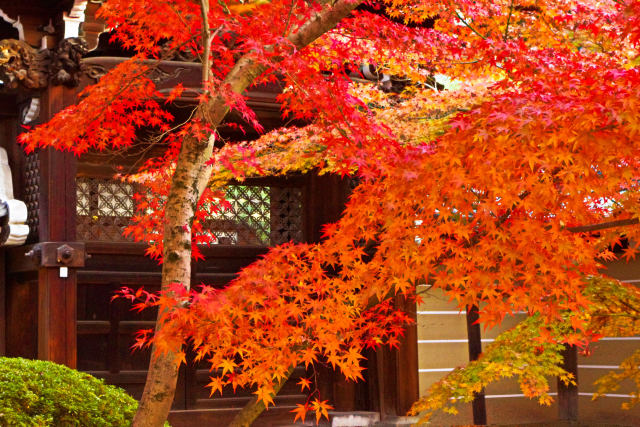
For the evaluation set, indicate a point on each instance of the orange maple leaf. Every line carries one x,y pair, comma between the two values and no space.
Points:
300,411
304,383
216,384
321,408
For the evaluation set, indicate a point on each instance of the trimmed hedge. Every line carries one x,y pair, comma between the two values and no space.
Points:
40,393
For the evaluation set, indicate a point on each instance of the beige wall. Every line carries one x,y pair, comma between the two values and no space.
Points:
442,346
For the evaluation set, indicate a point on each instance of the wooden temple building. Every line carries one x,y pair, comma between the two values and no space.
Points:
63,254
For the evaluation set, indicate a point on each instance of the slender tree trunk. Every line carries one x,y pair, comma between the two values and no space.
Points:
176,268
255,407
189,180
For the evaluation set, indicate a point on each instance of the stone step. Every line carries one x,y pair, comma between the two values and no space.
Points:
397,422
353,419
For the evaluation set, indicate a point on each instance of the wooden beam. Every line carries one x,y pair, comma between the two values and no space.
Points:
475,349
568,394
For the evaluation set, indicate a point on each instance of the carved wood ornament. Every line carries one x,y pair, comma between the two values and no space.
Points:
23,66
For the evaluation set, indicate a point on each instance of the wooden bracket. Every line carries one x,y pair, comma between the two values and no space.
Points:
58,254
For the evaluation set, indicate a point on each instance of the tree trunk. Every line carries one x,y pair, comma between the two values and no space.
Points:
255,407
188,182
176,268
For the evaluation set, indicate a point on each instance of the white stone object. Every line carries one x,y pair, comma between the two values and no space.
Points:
17,210
354,419
74,18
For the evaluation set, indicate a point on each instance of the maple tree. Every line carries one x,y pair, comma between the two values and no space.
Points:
506,190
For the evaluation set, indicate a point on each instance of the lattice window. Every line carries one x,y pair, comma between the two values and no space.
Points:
258,215
103,209
286,215
32,193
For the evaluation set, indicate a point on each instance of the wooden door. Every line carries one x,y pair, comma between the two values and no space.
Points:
263,214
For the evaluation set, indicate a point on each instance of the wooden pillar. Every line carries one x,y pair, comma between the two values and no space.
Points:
406,369
393,374
56,317
8,132
568,394
118,306
387,383
57,294
475,349
324,199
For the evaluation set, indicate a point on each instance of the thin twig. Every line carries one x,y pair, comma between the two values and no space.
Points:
469,25
206,41
506,29
286,27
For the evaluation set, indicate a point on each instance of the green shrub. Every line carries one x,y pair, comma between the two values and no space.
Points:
39,393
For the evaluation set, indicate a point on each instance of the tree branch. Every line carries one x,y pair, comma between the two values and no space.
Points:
603,225
206,40
466,24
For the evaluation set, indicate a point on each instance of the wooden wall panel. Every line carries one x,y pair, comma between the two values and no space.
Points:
21,316
607,410
274,417
442,327
518,411
610,351
200,397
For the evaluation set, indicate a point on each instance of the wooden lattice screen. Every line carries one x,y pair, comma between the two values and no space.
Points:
32,193
259,215
103,209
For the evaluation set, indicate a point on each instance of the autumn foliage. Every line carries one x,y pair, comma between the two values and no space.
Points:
506,190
